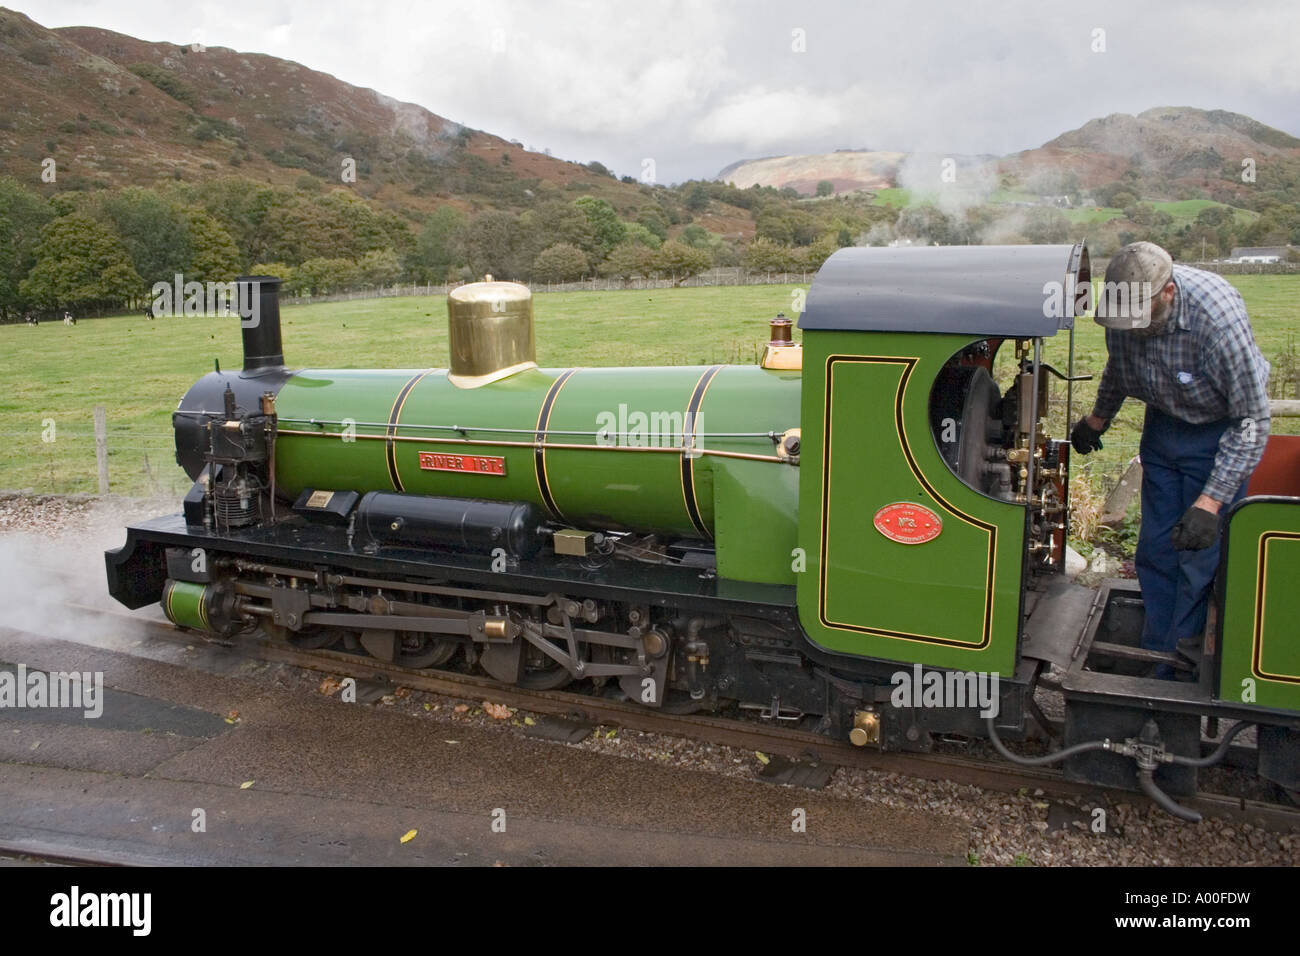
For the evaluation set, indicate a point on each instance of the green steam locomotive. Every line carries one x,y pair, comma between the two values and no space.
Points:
865,531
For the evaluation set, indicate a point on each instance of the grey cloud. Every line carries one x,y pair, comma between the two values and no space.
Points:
697,85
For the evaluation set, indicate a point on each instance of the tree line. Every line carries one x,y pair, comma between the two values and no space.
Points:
92,251
98,250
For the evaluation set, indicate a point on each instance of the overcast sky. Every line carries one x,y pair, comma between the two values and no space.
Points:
697,85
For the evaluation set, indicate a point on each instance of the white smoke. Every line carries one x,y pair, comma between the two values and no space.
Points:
52,583
953,184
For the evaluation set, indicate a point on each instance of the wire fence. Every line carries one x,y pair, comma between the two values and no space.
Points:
71,458
723,276
718,276
1246,268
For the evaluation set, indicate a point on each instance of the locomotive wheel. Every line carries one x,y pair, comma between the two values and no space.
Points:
417,650
541,672
679,703
523,665
316,639
309,639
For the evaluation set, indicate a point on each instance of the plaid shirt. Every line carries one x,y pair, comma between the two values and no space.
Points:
1204,366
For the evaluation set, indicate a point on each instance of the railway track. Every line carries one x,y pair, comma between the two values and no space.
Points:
40,853
800,745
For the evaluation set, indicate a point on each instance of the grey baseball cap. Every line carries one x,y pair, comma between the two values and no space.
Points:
1134,277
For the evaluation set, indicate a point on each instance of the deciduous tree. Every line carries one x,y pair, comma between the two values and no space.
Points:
80,263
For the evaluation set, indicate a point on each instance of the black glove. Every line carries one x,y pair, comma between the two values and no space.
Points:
1085,438
1196,529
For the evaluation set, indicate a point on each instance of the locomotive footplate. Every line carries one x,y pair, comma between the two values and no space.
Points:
1108,694
137,570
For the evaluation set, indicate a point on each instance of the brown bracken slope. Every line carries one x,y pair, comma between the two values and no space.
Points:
116,111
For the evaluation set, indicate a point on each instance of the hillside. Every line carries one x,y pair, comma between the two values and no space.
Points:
1174,151
113,110
847,170
1170,153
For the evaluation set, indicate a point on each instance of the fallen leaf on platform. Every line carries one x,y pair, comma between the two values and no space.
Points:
232,715
451,741
409,835
496,711
329,685
402,692
528,721
611,733
246,784
762,757
461,708
428,706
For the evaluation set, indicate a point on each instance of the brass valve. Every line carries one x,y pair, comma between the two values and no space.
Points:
866,728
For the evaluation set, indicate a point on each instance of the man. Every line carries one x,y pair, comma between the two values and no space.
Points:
1179,339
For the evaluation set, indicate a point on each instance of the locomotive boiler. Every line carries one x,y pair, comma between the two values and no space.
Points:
786,537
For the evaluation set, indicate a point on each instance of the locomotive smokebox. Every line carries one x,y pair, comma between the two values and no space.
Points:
259,309
490,328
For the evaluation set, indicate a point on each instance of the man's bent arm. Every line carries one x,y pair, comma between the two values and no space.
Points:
1243,374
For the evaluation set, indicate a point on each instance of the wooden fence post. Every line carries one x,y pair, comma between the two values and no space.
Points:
101,447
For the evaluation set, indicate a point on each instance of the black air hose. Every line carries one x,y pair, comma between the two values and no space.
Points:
1146,778
1054,757
1215,755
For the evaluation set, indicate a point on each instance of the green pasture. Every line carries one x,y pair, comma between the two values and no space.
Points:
894,196
138,369
1183,211
1090,215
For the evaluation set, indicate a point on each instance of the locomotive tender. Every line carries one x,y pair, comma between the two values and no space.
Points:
799,537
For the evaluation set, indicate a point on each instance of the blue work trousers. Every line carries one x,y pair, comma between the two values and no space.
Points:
1177,459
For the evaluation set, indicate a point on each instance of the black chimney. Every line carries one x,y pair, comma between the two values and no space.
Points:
259,311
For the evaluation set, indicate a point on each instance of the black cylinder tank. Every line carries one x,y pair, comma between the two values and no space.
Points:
469,524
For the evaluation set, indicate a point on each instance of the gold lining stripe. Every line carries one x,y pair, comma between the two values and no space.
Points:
1261,585
908,363
691,426
394,417
539,444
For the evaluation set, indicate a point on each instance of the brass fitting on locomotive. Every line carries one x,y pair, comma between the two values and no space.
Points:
781,351
866,728
490,330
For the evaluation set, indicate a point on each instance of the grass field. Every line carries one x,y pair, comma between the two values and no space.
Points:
139,369
1090,215
893,196
1183,211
